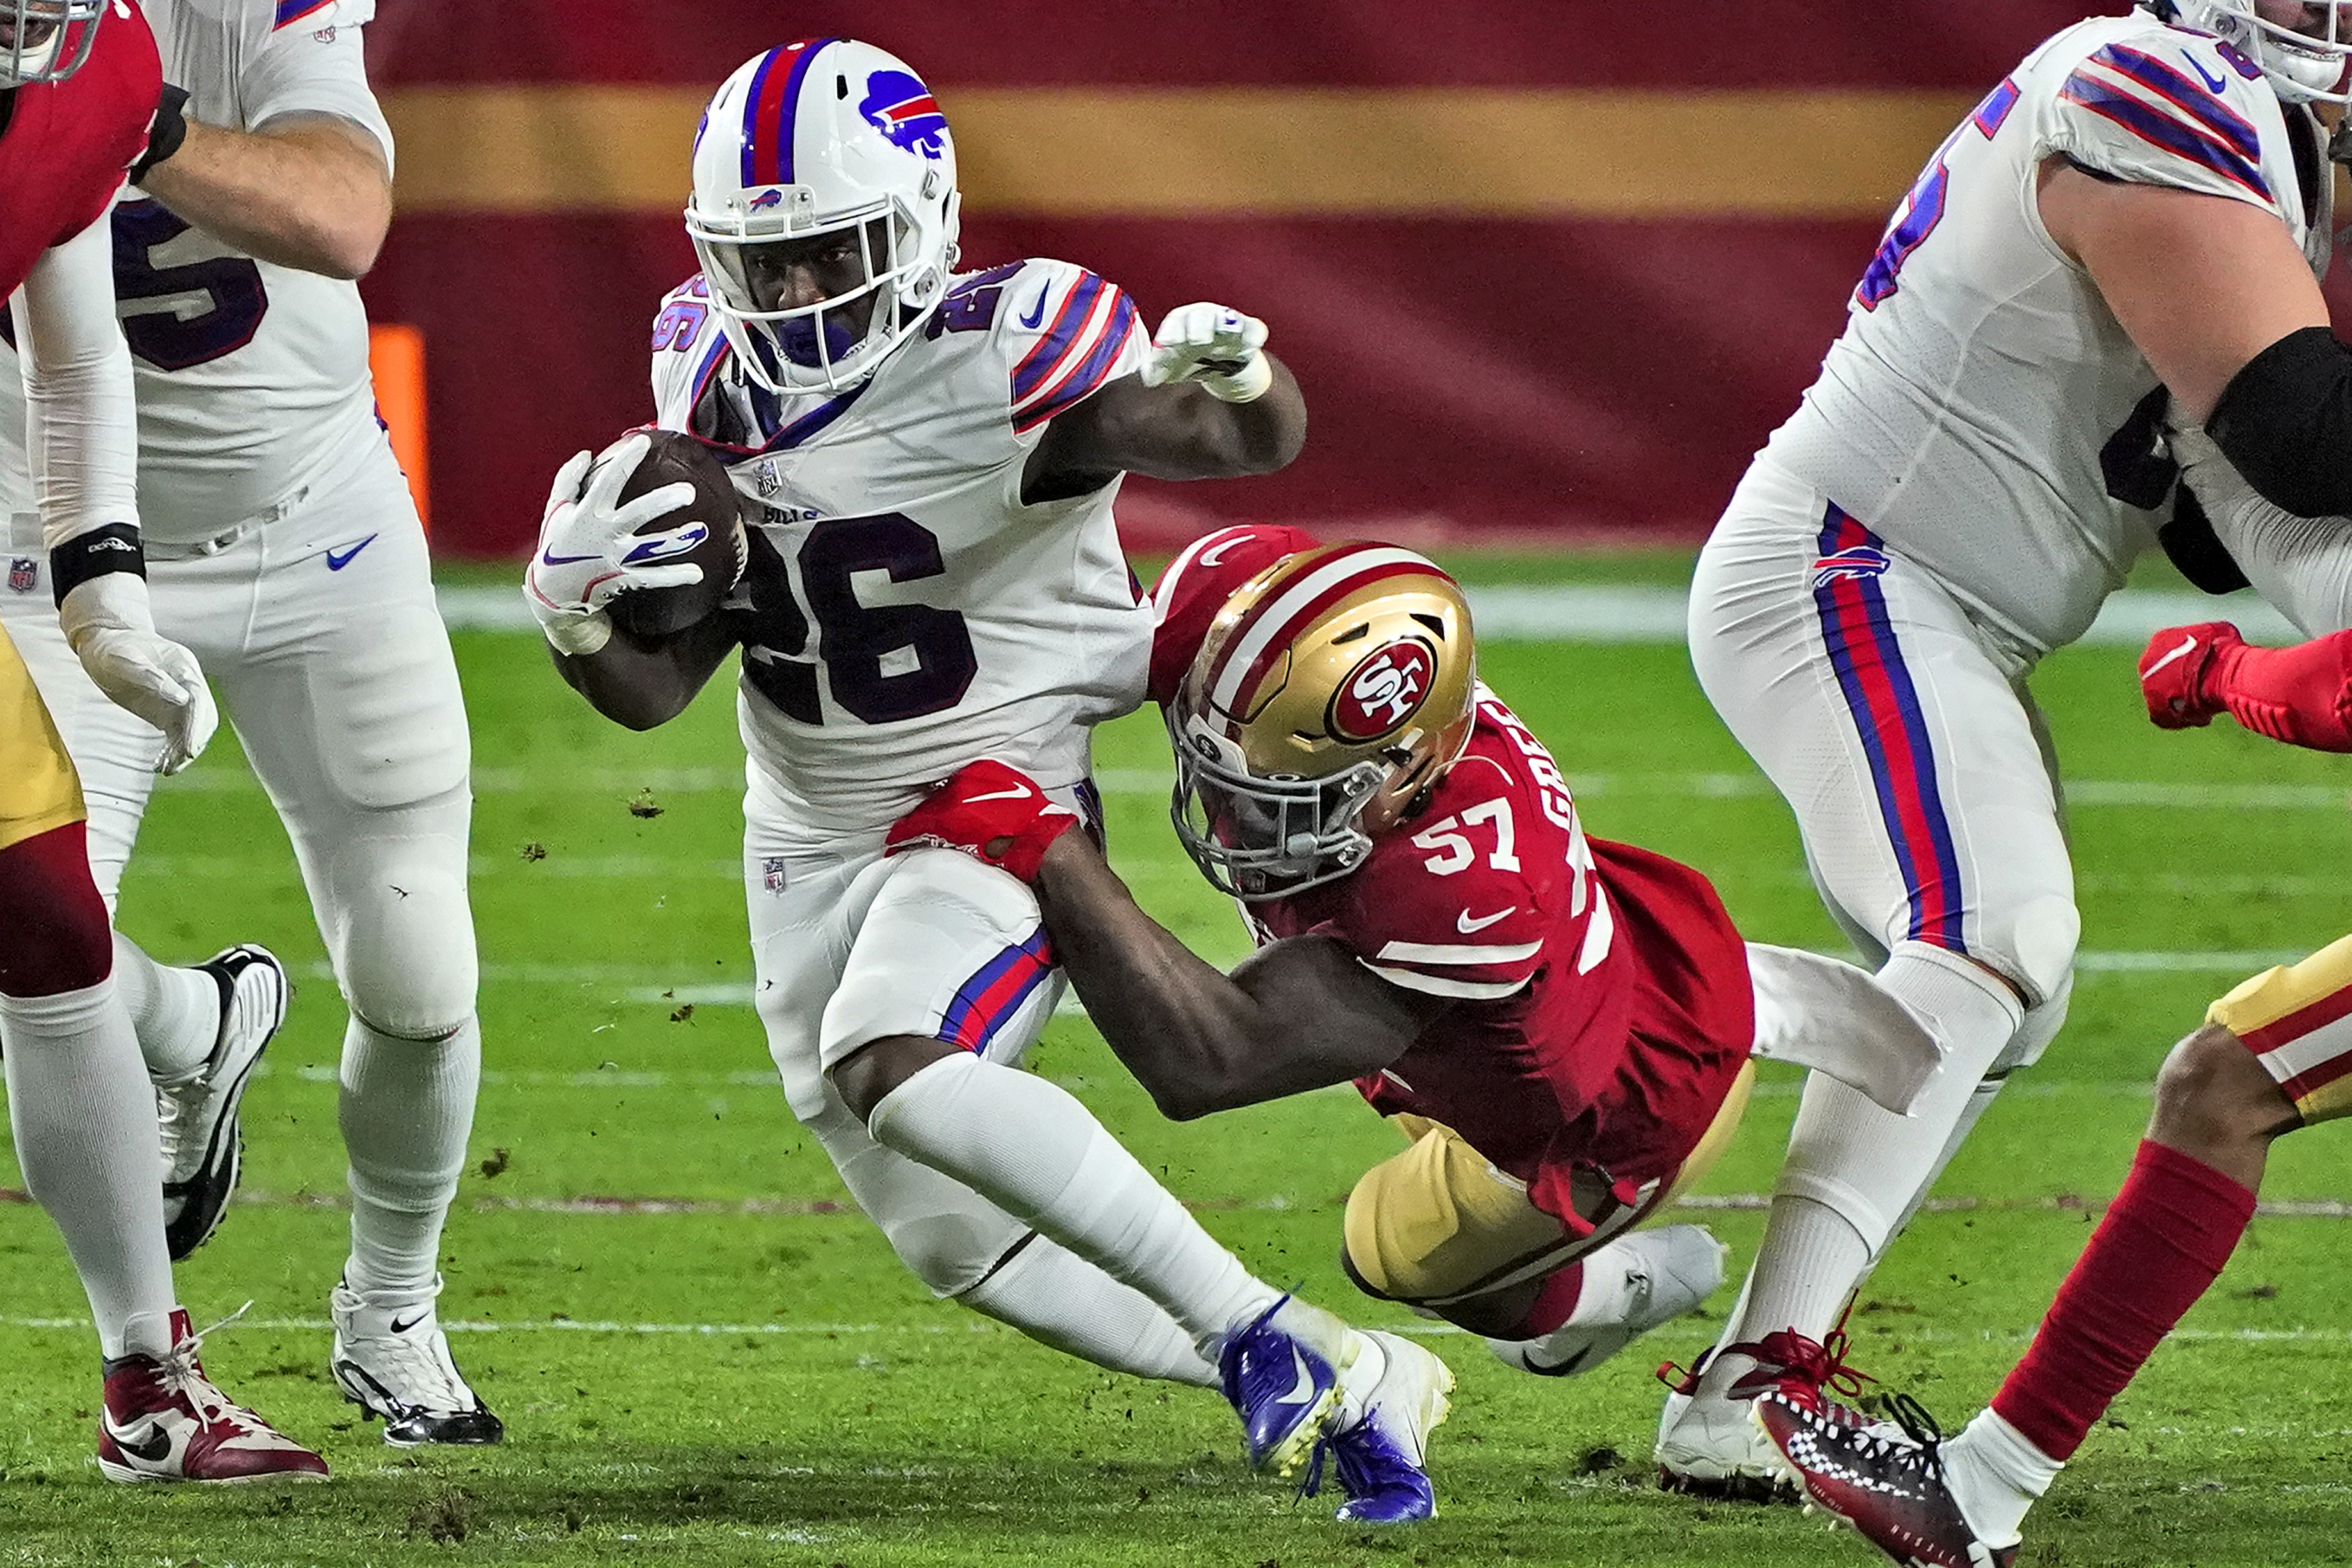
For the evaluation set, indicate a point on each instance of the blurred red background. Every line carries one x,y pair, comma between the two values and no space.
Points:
1549,272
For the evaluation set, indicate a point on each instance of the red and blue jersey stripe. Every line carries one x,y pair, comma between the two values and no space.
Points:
1879,694
2171,110
1076,353
987,1001
292,11
768,111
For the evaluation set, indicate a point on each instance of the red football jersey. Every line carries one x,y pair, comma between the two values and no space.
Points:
68,144
1601,1001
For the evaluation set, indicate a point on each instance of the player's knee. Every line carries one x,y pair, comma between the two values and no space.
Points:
950,1252
408,964
2213,1094
866,1076
56,937
2031,946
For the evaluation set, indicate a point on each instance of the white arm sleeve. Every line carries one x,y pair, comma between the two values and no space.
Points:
82,427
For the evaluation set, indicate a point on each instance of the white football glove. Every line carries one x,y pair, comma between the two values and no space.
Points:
589,547
1215,345
112,630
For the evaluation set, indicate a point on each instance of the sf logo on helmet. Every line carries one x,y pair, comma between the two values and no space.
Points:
903,110
1384,689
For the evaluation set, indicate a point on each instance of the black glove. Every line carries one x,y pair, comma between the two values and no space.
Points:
165,132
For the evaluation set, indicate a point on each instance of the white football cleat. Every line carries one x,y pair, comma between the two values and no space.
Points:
392,1359
1666,1272
203,1147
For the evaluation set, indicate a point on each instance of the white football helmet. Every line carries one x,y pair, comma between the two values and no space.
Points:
2307,59
46,40
818,137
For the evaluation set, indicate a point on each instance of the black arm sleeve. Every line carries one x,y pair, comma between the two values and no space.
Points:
2286,421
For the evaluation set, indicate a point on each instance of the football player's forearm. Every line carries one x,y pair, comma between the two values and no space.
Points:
641,685
307,191
1169,1015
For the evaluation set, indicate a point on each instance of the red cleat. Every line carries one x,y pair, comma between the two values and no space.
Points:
163,1420
2172,672
1710,1448
1885,1479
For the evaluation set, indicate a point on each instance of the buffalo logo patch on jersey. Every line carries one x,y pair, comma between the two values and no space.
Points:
23,573
1853,564
903,110
1385,688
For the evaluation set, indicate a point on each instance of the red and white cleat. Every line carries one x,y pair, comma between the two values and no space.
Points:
163,1420
1708,1446
1884,1478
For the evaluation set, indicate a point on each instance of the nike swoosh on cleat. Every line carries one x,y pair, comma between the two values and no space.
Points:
1469,927
1304,1389
155,1448
1001,795
339,559
2188,646
400,1328
1037,315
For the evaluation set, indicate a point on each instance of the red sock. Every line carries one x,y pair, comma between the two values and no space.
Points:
2158,1249
2302,695
1552,1304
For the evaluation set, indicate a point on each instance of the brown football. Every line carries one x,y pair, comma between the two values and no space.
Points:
664,611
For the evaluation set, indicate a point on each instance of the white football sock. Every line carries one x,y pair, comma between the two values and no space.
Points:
406,1108
1062,1301
84,1116
177,1012
1996,1475
1855,1169
1032,1149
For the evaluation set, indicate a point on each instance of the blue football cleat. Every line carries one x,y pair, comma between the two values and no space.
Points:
1286,1394
1380,1456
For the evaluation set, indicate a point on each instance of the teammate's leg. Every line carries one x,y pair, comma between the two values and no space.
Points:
2272,1055
345,696
1917,776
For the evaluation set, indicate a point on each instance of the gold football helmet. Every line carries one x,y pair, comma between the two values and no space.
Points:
1332,689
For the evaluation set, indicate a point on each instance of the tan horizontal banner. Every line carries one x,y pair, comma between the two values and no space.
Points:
1310,152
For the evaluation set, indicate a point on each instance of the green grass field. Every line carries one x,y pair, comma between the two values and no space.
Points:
703,1356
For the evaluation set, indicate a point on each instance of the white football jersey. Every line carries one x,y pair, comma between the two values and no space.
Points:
252,378
1961,416
909,614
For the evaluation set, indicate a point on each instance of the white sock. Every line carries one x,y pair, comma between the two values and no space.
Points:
84,1116
1996,1474
1030,1148
1062,1301
1855,1169
177,1012
405,1108
1606,1293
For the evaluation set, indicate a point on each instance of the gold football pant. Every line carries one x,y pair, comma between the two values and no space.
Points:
39,789
2297,1020
1438,1223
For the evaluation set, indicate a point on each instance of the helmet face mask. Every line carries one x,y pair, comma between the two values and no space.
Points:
830,158
2303,50
1331,692
46,40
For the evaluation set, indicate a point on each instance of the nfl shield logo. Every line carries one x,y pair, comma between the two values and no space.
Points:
772,874
23,573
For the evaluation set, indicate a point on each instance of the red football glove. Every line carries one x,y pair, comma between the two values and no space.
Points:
2172,672
992,813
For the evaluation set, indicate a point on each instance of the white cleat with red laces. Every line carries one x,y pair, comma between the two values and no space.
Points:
163,1420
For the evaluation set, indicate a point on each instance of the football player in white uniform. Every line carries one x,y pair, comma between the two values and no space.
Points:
927,463
283,548
2136,214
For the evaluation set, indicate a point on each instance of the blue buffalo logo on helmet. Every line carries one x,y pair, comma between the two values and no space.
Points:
1853,564
1384,689
764,200
901,107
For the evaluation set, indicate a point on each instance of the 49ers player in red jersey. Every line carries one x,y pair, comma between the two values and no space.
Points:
1562,1025
82,101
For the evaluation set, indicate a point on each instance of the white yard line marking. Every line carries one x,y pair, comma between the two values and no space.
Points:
1597,611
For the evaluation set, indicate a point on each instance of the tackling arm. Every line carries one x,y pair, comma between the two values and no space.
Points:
1299,1015
308,190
